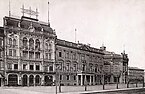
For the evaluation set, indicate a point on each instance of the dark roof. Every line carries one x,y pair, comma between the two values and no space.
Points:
1,31
79,46
25,22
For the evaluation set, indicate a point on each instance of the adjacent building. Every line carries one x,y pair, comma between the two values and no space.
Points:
2,69
135,73
29,52
115,66
79,64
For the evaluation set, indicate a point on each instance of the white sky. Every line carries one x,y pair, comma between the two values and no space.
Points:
112,22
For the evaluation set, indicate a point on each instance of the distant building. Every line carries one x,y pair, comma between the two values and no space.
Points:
135,73
115,66
29,52
2,69
79,64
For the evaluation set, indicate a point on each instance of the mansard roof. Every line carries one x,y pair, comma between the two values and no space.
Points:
26,22
1,31
78,46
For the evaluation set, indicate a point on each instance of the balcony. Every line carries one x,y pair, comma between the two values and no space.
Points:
24,48
49,60
13,57
33,59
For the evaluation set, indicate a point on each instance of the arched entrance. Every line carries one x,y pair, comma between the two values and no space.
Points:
31,80
48,80
12,80
37,80
25,78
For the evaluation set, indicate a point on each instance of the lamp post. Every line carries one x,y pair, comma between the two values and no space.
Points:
136,81
103,81
143,81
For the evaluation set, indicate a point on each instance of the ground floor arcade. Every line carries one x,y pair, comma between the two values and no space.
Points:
18,79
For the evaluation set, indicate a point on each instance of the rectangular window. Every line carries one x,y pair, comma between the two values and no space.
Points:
37,67
74,77
10,52
31,67
15,66
25,54
60,77
31,55
46,55
9,66
37,55
49,55
67,55
75,67
60,54
24,66
67,77
1,54
14,52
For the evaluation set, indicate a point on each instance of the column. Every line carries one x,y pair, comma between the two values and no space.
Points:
93,79
20,79
77,78
28,81
42,80
90,80
34,81
85,80
81,80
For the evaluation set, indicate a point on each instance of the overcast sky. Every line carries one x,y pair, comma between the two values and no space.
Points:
114,23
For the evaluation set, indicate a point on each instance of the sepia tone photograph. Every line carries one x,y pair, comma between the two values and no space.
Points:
72,46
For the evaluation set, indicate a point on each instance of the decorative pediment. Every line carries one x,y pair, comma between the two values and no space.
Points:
31,28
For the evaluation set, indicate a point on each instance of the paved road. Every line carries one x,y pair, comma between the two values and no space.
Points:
65,89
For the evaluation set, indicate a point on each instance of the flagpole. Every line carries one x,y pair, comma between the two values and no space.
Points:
9,9
75,34
48,14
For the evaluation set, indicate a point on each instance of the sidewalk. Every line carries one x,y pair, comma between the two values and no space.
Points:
67,89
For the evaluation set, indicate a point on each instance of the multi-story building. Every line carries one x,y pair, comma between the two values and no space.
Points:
1,56
135,73
29,52
78,64
115,66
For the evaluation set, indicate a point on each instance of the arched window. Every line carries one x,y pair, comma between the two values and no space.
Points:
75,66
14,42
50,46
31,43
46,46
37,46
10,41
31,80
96,68
25,42
51,68
37,80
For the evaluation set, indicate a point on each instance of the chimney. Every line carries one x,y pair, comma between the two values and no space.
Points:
103,48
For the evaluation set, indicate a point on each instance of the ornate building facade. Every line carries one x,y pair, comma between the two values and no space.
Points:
78,64
29,52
